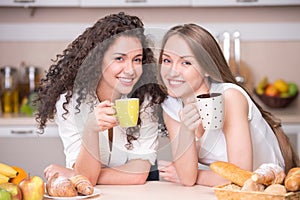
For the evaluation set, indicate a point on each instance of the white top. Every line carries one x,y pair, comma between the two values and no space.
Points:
71,128
213,144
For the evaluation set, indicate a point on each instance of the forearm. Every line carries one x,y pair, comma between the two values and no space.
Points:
134,172
209,178
185,156
88,161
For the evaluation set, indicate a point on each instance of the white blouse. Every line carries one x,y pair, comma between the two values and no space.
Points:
213,144
71,127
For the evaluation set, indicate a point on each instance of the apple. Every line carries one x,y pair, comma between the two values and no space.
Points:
293,89
4,195
33,188
13,189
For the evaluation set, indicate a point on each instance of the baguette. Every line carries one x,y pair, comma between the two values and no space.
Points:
292,179
231,172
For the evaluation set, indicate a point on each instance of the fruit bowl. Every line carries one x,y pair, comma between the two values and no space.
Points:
276,101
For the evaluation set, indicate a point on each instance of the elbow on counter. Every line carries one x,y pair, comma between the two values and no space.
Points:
140,179
188,182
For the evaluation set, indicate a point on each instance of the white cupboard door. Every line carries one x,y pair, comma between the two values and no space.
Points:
223,3
134,3
40,3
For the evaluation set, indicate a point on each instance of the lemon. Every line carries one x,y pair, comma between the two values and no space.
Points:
281,86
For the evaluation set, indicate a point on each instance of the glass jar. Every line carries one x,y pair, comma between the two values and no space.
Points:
9,90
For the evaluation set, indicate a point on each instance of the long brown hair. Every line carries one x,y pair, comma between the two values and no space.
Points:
207,45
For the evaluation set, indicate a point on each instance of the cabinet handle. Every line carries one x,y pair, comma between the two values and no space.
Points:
246,1
135,1
21,132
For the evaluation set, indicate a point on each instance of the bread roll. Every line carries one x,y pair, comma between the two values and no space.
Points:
231,172
250,185
268,173
59,186
82,184
276,189
292,180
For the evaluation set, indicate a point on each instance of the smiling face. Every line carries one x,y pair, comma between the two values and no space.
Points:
180,70
122,68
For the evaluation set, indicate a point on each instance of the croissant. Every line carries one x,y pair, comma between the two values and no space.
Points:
60,186
268,173
82,184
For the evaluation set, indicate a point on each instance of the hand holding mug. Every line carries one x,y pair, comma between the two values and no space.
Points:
105,115
190,115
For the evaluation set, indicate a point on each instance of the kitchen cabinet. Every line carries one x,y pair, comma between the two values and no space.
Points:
40,3
292,130
145,3
135,3
21,146
224,3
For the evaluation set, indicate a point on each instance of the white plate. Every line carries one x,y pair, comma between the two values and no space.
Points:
96,192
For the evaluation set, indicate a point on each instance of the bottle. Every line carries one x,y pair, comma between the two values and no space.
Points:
9,85
28,83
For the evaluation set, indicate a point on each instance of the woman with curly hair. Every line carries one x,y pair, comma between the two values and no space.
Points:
192,64
110,60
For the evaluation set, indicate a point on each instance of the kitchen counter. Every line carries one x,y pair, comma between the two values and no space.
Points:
288,115
14,119
155,190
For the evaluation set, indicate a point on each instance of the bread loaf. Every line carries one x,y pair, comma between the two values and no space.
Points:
276,189
82,184
268,173
250,185
59,186
231,172
292,180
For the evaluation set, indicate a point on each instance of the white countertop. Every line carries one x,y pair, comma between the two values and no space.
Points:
155,190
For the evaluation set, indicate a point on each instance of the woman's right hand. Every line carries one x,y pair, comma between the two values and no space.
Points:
190,115
54,168
105,115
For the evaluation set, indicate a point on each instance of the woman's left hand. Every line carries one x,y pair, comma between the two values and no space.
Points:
167,171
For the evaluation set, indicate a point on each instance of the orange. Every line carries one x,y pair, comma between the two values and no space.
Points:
21,175
271,91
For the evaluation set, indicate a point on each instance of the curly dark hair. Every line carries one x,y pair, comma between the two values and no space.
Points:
84,56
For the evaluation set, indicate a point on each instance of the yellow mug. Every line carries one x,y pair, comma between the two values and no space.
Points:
127,111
